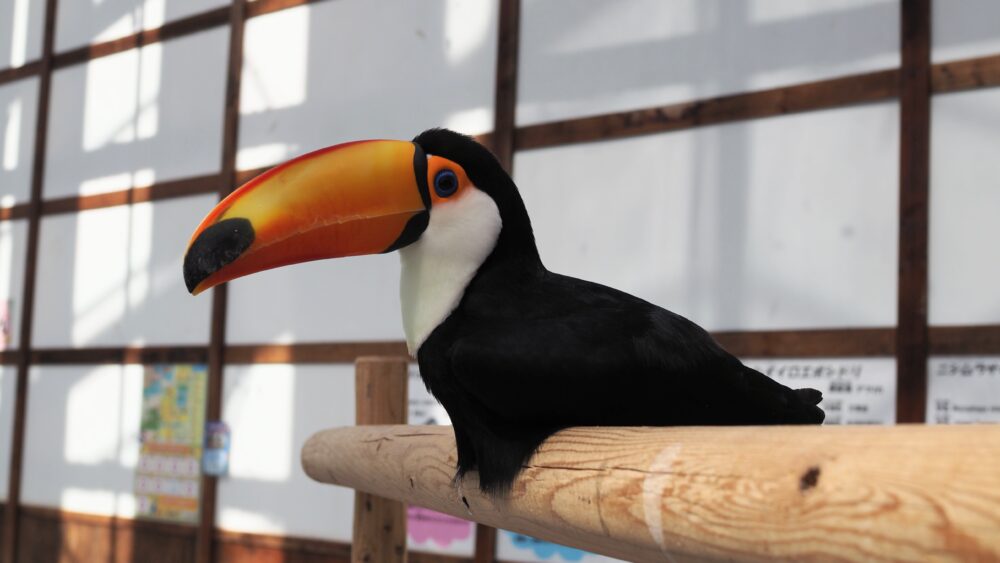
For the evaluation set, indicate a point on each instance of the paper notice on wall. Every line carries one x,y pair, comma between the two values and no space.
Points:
428,530
167,478
512,546
855,391
963,389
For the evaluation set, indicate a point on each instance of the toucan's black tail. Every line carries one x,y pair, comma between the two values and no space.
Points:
773,403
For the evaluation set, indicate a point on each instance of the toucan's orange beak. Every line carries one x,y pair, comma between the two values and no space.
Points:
356,198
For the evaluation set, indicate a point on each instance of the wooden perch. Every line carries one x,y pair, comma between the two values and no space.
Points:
869,493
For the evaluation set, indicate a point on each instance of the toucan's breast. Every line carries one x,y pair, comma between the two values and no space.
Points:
437,268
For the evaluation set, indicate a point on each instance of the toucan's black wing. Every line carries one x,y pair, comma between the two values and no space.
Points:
618,362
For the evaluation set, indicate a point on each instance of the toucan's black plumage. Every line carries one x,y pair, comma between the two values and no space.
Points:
528,352
513,352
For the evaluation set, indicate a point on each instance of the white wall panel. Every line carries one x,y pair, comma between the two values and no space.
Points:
82,440
13,254
965,29
337,71
776,223
20,31
965,205
138,117
113,277
272,410
18,110
593,56
344,299
8,388
83,22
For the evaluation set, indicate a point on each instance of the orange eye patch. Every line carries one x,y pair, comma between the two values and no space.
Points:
445,179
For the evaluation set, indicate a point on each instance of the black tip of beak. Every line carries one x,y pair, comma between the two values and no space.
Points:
215,247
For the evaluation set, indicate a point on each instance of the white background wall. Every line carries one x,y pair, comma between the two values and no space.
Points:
781,223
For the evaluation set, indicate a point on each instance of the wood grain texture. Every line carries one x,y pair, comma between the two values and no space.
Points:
380,398
837,92
912,342
872,493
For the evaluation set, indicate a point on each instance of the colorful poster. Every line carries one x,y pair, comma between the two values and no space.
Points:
855,391
963,390
429,530
168,476
519,547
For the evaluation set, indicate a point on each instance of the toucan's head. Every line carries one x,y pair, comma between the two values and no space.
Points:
365,197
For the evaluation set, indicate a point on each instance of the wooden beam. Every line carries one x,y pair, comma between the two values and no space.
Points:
914,202
217,336
19,211
10,358
170,30
380,398
505,99
311,353
964,340
824,94
185,187
18,72
722,493
812,343
9,537
968,74
263,7
124,355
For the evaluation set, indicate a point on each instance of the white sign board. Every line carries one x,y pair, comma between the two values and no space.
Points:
855,390
963,389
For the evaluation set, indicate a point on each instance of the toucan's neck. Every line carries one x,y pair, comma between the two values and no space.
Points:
515,254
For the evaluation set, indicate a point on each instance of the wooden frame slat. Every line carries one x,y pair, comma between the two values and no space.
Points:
824,94
19,211
982,340
170,30
8,549
813,343
967,74
200,185
914,202
17,73
311,353
10,357
145,355
217,338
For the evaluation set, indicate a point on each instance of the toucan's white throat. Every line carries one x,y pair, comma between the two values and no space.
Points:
436,269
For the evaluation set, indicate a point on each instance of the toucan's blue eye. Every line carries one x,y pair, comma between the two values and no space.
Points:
445,183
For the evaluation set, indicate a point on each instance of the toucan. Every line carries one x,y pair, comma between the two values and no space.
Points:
512,351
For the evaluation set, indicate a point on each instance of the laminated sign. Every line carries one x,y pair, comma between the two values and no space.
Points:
855,390
167,479
963,390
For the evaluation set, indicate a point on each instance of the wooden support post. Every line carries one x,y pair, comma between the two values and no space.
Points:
912,342
380,398
791,493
